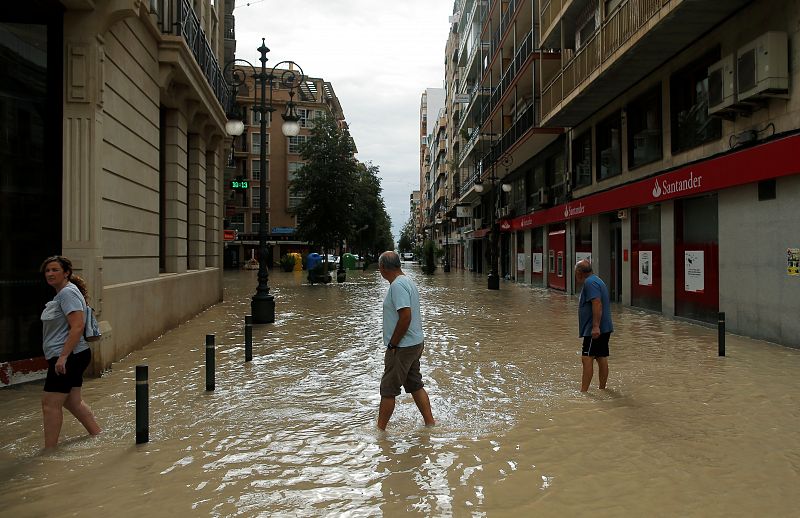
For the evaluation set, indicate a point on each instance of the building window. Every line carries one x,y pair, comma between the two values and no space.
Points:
293,168
644,129
582,160
609,149
255,195
691,125
257,117
296,142
255,138
257,172
255,222
237,222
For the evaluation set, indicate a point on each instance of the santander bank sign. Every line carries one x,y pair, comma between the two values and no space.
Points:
677,186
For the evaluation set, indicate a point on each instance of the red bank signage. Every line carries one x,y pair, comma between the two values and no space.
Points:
772,160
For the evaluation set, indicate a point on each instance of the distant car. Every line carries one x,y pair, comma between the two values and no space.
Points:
407,256
333,259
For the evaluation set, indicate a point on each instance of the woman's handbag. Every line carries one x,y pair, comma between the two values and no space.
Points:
91,329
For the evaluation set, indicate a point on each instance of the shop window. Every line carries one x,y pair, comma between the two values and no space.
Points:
644,129
582,160
609,149
690,123
766,190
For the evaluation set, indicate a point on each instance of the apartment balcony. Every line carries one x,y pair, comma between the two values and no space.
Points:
633,40
176,17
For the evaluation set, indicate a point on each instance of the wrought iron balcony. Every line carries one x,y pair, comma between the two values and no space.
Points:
177,17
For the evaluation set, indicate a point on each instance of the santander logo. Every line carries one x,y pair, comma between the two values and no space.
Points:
574,211
688,183
656,190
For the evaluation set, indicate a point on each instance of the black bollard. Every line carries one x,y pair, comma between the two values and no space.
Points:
721,332
210,363
142,405
248,338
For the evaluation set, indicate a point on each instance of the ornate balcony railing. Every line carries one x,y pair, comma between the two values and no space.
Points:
177,17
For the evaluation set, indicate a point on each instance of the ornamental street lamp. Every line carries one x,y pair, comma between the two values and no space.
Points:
263,303
494,275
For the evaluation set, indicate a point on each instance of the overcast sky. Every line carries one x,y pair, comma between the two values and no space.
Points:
379,56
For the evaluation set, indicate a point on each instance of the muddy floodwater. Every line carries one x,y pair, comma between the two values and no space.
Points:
679,432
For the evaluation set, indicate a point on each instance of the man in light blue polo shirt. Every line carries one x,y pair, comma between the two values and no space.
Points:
403,338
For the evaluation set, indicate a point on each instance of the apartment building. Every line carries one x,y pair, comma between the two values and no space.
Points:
655,137
431,104
112,155
244,172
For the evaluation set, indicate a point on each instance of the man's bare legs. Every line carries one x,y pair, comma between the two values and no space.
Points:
420,396
588,372
602,363
424,405
385,411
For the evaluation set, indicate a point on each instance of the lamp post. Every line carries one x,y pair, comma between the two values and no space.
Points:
494,275
262,306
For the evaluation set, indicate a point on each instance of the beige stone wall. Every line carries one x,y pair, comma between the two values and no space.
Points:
130,154
120,73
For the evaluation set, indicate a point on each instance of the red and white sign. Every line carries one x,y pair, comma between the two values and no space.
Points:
763,162
229,235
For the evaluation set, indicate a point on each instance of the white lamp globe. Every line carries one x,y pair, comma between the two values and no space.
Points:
506,187
234,127
290,128
478,187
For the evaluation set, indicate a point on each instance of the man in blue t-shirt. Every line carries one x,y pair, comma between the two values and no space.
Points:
594,323
403,338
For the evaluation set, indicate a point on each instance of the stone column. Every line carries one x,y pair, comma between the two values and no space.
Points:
175,192
214,174
196,202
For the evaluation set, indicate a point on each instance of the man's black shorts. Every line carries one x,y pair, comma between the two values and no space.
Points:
64,383
597,348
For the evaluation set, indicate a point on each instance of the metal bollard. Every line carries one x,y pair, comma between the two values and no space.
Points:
721,333
210,363
142,405
248,338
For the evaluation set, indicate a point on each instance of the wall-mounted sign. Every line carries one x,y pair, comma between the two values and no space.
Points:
580,256
240,184
229,235
520,262
461,98
694,271
536,262
645,267
463,211
793,261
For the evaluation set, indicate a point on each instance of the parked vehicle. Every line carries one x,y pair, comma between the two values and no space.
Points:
407,256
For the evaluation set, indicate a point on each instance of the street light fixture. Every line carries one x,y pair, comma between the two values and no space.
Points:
506,161
262,306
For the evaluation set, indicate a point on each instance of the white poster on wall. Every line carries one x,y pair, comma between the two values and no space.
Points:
520,262
536,260
694,271
580,256
645,267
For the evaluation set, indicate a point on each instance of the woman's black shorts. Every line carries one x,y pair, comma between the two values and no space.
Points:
76,364
597,348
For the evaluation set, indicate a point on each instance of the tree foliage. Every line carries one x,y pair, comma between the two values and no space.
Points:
407,236
325,185
341,197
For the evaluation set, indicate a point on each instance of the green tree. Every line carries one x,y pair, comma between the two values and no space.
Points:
407,236
372,225
326,185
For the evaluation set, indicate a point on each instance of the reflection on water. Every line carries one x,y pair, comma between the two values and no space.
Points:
681,432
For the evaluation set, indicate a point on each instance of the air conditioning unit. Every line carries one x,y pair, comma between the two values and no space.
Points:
543,197
762,66
721,84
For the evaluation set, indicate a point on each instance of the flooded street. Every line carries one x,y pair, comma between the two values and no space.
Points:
680,432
